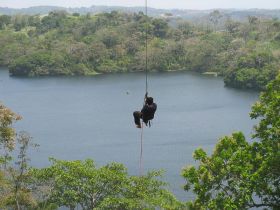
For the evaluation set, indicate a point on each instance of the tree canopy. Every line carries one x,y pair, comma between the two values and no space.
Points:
246,53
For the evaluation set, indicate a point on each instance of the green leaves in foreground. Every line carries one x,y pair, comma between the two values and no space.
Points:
239,174
7,133
268,111
81,183
220,180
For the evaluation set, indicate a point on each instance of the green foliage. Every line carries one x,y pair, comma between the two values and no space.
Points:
239,174
268,109
73,183
52,21
39,64
7,133
160,28
252,70
14,178
221,180
246,54
214,17
18,194
4,21
268,130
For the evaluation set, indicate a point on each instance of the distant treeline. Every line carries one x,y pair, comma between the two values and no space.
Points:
246,54
187,14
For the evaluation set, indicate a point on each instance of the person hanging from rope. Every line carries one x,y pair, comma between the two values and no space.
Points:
147,113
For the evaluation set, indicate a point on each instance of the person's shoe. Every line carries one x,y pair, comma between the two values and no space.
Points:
138,126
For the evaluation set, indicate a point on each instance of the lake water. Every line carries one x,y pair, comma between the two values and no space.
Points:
91,117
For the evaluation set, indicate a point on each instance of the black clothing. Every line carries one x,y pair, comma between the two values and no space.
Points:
147,113
137,116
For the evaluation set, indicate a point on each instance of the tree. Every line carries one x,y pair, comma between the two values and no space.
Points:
7,134
41,63
267,109
79,52
76,14
232,27
4,21
239,174
160,28
14,179
74,183
267,176
215,17
186,28
253,20
253,69
110,38
53,20
18,177
7,145
34,20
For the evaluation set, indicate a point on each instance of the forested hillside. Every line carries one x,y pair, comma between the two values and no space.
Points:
246,54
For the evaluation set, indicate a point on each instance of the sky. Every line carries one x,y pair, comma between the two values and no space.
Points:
164,4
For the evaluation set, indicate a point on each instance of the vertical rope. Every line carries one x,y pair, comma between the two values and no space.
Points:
141,152
146,70
146,44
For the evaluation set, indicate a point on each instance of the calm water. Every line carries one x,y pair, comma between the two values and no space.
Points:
79,118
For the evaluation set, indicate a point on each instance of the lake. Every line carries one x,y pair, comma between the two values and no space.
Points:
91,117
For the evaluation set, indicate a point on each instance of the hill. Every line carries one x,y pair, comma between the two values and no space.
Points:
185,14
246,53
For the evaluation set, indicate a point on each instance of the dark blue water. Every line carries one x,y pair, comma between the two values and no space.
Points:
79,118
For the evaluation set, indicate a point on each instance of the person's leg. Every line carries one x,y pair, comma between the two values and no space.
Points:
137,116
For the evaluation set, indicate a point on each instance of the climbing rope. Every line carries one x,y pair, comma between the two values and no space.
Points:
146,44
146,72
141,151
